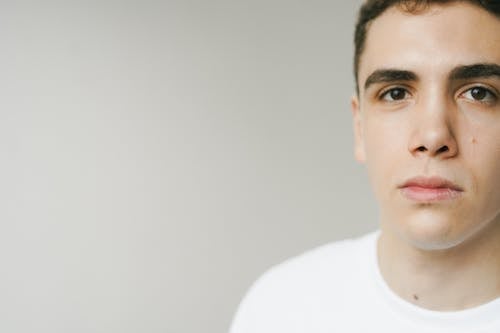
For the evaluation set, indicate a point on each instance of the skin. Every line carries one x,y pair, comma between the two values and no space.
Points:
441,254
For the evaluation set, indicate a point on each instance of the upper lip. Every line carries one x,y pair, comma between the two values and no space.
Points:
431,182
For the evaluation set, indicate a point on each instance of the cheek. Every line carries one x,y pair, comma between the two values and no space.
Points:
484,158
479,145
384,137
479,134
480,150
386,150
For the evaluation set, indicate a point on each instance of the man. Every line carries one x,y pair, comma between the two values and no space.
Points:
427,125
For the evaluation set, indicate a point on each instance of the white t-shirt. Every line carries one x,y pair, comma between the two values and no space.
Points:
338,288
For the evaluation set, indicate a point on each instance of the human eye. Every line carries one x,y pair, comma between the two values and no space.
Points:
394,94
480,94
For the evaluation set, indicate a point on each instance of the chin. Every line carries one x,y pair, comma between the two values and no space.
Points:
430,230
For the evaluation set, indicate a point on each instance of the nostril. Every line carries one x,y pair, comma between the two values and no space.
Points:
421,148
443,149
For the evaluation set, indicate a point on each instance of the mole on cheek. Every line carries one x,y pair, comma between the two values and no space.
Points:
473,140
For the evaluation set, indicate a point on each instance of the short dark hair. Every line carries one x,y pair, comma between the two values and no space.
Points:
371,9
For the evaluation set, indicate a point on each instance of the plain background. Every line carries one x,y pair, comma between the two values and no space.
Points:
158,156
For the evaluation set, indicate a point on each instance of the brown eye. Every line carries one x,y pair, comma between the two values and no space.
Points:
478,93
395,94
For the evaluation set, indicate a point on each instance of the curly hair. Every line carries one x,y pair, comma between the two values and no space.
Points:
371,9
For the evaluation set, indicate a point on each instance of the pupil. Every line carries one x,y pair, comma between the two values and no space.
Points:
478,93
397,94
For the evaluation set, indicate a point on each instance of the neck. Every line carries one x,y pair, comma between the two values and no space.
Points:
454,279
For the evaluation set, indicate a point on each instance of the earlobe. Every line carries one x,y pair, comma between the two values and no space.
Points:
359,147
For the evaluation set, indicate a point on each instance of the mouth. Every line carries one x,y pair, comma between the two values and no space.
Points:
430,189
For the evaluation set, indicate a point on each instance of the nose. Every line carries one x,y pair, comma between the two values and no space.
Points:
433,133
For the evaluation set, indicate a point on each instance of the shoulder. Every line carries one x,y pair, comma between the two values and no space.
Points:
305,286
337,258
313,264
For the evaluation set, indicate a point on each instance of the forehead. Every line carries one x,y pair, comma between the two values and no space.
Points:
432,42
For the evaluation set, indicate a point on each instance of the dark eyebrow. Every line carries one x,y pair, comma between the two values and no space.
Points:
389,75
475,71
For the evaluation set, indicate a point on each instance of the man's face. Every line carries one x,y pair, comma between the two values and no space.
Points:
427,122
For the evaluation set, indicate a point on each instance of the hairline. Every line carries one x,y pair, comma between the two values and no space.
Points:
405,6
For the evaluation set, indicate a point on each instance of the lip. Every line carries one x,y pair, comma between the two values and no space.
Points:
430,189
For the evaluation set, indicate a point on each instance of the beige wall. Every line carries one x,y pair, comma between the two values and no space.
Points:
157,156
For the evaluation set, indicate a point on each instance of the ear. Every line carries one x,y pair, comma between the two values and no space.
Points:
359,146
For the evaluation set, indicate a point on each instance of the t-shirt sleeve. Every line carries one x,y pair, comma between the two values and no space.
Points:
276,302
253,312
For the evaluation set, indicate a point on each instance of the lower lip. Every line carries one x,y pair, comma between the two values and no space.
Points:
427,194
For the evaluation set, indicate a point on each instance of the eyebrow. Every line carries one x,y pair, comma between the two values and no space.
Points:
389,75
475,71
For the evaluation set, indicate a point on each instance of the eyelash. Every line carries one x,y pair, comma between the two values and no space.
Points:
382,96
491,97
